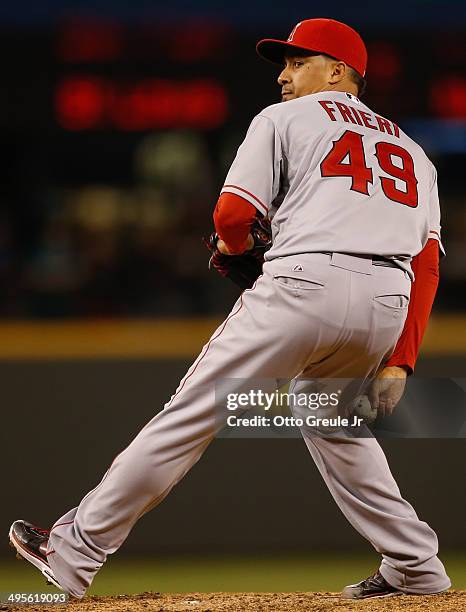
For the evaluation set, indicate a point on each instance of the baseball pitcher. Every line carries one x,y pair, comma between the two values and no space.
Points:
345,291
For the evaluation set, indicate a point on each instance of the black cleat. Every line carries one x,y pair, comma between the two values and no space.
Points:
372,587
30,543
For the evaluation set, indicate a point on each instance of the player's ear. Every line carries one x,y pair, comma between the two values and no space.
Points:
337,71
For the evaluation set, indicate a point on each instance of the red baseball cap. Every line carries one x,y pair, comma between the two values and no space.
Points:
320,36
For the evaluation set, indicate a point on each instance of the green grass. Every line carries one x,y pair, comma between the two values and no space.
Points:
328,572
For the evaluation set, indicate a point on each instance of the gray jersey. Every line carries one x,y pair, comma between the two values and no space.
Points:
337,177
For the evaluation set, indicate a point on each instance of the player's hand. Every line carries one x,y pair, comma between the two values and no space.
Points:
387,390
222,247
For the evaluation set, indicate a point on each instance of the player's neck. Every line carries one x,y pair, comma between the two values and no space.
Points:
345,87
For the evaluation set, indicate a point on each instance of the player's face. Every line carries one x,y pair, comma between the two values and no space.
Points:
303,75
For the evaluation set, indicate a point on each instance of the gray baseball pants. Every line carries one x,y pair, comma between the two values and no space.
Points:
309,316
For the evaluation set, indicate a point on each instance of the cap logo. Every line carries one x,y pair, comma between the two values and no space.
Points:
293,32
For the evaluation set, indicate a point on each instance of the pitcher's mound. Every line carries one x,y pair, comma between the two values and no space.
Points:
453,601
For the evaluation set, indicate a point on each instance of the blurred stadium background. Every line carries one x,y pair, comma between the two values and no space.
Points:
118,122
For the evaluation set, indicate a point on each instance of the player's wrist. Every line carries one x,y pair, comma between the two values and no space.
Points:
397,371
249,243
225,249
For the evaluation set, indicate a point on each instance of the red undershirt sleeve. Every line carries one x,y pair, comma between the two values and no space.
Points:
426,271
233,216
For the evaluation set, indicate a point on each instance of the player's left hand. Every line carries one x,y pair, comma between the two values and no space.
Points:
243,269
387,390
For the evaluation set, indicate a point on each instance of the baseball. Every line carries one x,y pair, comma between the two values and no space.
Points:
362,407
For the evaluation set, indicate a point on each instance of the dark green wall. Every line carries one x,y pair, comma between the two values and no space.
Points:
63,422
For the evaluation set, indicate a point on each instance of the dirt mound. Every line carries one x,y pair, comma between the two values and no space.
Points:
453,601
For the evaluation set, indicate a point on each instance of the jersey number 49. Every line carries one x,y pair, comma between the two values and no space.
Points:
351,147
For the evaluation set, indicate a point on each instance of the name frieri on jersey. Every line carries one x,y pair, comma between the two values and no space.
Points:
337,111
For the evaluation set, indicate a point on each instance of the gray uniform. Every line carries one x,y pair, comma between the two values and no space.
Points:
321,309
280,168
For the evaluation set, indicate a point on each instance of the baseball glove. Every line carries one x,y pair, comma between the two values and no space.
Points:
242,269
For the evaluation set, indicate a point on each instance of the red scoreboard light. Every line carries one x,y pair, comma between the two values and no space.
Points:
448,96
89,103
80,103
89,40
194,41
384,65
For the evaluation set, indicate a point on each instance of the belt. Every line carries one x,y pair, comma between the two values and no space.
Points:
383,261
377,260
